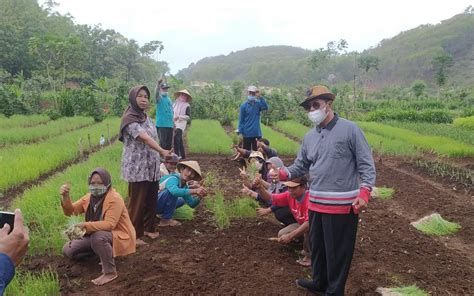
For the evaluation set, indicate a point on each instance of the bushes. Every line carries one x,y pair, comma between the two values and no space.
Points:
465,123
430,115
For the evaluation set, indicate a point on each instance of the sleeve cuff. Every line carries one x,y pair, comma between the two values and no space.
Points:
365,193
7,268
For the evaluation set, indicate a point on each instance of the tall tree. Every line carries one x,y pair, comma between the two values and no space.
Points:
441,62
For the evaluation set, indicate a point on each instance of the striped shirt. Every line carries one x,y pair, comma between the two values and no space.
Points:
339,161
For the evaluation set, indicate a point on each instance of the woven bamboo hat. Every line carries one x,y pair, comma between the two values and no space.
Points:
183,91
192,164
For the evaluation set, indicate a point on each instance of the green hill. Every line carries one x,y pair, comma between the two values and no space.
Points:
403,59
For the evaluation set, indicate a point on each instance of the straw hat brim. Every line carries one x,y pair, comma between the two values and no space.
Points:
194,165
183,91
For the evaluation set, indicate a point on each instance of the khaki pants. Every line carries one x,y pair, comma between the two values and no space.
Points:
292,227
99,243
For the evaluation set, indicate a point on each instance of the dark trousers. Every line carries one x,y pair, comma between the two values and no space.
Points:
99,243
178,143
250,143
165,135
142,206
284,215
332,240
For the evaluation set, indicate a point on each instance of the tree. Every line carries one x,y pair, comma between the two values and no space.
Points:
441,62
418,87
367,62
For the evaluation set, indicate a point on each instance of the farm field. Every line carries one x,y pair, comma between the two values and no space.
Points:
198,257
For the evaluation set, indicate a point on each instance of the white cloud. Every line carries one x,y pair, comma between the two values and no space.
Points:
191,30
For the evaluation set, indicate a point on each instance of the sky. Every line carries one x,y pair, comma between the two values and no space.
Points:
191,30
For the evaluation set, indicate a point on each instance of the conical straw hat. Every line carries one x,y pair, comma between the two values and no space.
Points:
183,91
192,164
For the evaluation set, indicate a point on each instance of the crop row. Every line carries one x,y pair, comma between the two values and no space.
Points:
208,136
43,131
23,163
22,121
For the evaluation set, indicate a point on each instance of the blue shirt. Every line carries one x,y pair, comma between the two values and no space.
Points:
173,184
7,271
164,111
249,117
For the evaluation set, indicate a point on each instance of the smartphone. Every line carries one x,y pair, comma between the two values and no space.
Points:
7,218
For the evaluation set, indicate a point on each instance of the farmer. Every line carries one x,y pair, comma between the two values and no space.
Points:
169,165
263,145
249,118
164,115
13,247
182,114
272,186
342,173
296,199
109,231
177,192
141,162
256,161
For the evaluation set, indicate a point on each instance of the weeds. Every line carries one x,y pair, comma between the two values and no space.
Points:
27,283
184,213
223,211
383,192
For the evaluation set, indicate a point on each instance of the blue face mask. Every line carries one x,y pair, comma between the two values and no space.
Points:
164,93
252,98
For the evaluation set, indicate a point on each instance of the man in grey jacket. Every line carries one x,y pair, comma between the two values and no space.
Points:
341,175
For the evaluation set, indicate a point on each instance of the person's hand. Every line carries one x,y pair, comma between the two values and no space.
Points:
245,190
64,191
15,244
159,81
193,184
200,191
243,173
257,182
359,203
263,211
285,239
166,152
81,225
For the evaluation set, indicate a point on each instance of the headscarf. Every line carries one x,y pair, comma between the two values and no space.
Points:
94,210
133,113
180,105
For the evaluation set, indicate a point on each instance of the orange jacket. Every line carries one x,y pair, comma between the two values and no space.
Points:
114,218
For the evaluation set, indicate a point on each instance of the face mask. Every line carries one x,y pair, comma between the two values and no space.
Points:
252,98
97,190
317,116
164,94
258,165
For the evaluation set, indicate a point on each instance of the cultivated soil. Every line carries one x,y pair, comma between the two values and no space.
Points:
196,258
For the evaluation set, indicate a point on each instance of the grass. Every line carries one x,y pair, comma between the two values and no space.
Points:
184,213
41,204
440,145
23,163
437,129
278,141
466,123
435,225
383,192
43,131
388,146
217,206
412,290
292,128
22,121
27,283
223,211
208,136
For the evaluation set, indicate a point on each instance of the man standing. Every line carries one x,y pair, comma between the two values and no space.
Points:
249,118
342,174
164,115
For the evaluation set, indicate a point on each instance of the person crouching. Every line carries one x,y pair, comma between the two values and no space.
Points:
177,192
109,231
297,200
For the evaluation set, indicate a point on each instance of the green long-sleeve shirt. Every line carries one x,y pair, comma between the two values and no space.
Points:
173,184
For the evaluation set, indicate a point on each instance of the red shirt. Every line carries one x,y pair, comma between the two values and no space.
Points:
299,209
